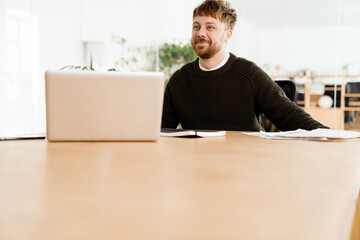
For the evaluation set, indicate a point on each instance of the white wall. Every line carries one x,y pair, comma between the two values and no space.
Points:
175,19
320,49
59,33
66,25
246,41
349,50
141,21
134,20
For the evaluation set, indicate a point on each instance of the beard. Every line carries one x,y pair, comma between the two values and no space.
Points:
205,52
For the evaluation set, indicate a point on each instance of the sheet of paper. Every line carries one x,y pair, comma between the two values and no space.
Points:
317,134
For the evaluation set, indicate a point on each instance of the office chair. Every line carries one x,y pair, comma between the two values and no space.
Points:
352,90
352,100
289,89
331,94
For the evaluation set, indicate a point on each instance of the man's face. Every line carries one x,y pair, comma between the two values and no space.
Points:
209,36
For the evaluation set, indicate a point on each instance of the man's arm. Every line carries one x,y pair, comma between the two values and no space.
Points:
169,116
285,114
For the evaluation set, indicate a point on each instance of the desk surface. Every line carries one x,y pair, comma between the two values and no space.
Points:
233,187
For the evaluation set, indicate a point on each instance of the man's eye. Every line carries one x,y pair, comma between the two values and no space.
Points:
195,27
210,27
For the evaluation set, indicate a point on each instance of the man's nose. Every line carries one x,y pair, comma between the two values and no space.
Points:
201,33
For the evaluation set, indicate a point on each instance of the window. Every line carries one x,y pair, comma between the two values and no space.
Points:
20,106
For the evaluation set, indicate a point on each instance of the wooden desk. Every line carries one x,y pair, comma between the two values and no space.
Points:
333,118
233,187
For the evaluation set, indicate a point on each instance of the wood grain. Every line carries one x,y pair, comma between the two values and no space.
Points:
233,187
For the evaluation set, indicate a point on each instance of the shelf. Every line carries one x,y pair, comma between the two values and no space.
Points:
332,89
354,104
352,94
348,109
328,116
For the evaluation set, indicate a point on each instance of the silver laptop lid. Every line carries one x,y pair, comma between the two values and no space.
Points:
103,106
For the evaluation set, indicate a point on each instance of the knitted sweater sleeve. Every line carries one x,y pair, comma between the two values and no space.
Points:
169,116
272,101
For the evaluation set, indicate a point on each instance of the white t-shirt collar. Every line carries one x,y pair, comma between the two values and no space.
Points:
218,66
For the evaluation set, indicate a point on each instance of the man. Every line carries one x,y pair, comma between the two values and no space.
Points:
220,91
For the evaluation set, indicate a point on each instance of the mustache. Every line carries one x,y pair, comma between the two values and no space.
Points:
202,41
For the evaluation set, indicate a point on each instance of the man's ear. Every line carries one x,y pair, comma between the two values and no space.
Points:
228,35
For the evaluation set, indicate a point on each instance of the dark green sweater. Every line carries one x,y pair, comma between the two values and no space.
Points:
229,98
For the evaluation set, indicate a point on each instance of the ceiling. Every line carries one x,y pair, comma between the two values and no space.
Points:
304,13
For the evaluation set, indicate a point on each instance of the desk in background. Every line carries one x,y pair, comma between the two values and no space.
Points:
333,118
233,187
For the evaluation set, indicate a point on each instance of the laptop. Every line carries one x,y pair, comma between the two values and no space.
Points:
103,106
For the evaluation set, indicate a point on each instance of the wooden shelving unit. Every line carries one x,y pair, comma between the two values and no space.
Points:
332,117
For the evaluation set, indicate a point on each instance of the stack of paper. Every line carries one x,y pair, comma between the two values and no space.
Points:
317,134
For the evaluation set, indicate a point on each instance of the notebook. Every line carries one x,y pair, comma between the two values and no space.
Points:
171,132
103,106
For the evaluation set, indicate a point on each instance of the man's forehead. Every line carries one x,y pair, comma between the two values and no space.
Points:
206,19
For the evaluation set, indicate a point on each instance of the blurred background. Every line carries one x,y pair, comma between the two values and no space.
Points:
315,43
